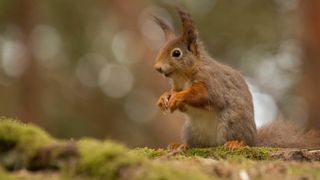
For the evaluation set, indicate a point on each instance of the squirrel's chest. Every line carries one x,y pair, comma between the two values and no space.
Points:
203,124
201,115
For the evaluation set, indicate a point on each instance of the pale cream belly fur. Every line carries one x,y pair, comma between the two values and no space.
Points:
201,127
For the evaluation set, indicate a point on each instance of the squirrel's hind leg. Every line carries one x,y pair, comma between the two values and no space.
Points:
174,148
177,147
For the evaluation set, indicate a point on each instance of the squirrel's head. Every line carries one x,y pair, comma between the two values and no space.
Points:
179,54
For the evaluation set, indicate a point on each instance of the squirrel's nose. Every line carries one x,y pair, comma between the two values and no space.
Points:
158,68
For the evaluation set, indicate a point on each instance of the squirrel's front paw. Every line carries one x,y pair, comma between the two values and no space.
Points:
176,101
163,101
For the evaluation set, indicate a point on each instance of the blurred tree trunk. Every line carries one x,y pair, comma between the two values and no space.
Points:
310,83
128,13
25,12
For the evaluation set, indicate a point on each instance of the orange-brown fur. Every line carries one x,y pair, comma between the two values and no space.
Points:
215,97
197,95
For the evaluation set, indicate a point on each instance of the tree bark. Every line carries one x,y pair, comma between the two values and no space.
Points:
29,92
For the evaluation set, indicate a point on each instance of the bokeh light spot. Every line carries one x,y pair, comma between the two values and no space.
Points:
140,106
46,42
115,80
126,48
89,67
14,58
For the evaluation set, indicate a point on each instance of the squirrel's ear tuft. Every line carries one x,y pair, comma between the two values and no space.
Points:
168,33
189,32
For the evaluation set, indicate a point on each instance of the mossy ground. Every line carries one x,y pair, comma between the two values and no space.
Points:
253,153
28,152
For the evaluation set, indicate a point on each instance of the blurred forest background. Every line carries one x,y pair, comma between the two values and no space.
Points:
85,68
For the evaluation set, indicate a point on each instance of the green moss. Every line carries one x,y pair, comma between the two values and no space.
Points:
104,159
20,142
16,134
166,171
5,175
150,153
311,172
108,160
27,146
254,153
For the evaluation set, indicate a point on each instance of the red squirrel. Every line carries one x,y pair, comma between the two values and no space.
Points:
215,97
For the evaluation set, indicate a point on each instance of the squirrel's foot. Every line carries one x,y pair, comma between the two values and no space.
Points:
174,148
234,144
177,147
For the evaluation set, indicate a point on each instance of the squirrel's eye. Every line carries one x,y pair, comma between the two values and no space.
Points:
176,53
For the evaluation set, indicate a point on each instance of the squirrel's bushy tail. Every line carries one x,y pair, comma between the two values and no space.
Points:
280,133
